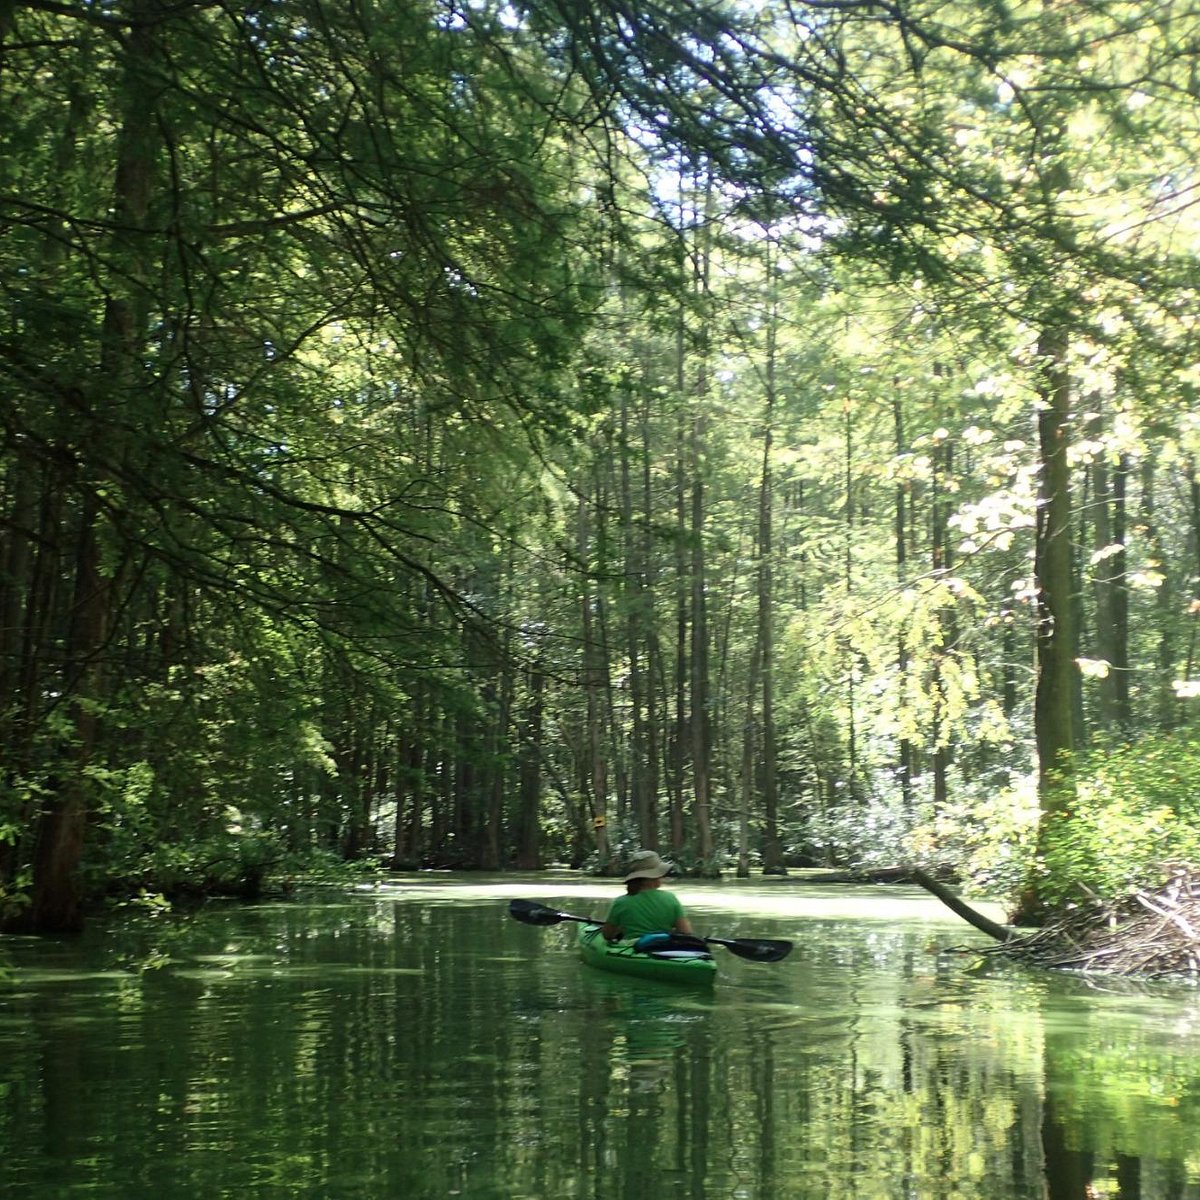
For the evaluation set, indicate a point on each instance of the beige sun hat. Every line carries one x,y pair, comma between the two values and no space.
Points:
645,864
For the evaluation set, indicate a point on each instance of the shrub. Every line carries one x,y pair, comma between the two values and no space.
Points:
1136,813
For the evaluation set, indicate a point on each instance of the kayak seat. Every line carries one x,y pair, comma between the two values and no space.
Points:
673,945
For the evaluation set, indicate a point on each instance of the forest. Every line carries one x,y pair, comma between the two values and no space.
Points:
461,433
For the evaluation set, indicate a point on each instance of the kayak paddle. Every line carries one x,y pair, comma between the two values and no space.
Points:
754,949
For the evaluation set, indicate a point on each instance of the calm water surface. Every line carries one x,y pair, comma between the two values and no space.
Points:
412,1041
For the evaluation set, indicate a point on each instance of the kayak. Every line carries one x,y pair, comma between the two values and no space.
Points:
673,957
690,966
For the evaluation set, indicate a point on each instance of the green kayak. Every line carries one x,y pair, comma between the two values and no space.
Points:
690,966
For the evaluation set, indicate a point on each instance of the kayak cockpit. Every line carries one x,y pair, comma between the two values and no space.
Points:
671,958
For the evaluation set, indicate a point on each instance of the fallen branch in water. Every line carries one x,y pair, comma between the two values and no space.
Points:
1002,933
807,875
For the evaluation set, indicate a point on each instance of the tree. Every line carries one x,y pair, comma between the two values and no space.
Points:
284,214
428,432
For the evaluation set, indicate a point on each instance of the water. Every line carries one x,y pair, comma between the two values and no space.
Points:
412,1041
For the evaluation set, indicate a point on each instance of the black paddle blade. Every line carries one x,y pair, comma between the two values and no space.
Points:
755,949
533,913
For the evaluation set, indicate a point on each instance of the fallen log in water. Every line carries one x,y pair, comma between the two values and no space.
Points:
1002,933
851,875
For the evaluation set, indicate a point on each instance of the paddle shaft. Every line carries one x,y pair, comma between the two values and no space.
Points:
754,949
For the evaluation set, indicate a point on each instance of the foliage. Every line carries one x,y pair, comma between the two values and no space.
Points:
984,836
1137,814
483,435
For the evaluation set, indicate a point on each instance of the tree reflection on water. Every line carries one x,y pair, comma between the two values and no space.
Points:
413,1042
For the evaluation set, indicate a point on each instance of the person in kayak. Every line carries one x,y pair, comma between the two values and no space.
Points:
645,907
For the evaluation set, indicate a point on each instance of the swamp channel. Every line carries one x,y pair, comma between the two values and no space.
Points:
409,1040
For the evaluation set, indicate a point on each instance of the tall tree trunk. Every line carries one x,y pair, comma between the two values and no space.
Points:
596,769
1009,686
440,771
465,842
636,605
848,583
1120,599
529,785
750,738
1168,706
1194,495
55,894
904,766
1055,633
1110,589
418,761
1079,612
749,745
611,743
20,603
772,846
498,738
700,719
402,791
943,464
701,710
680,746
1052,563
18,532
657,705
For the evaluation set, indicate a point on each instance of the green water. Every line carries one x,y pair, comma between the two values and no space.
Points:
412,1041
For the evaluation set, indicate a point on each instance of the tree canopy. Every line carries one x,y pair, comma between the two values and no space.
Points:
489,434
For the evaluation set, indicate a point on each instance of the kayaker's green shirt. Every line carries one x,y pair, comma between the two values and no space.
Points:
651,911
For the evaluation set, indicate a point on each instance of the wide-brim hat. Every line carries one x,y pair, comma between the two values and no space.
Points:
645,864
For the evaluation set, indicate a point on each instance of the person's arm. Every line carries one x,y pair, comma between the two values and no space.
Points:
611,930
682,924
